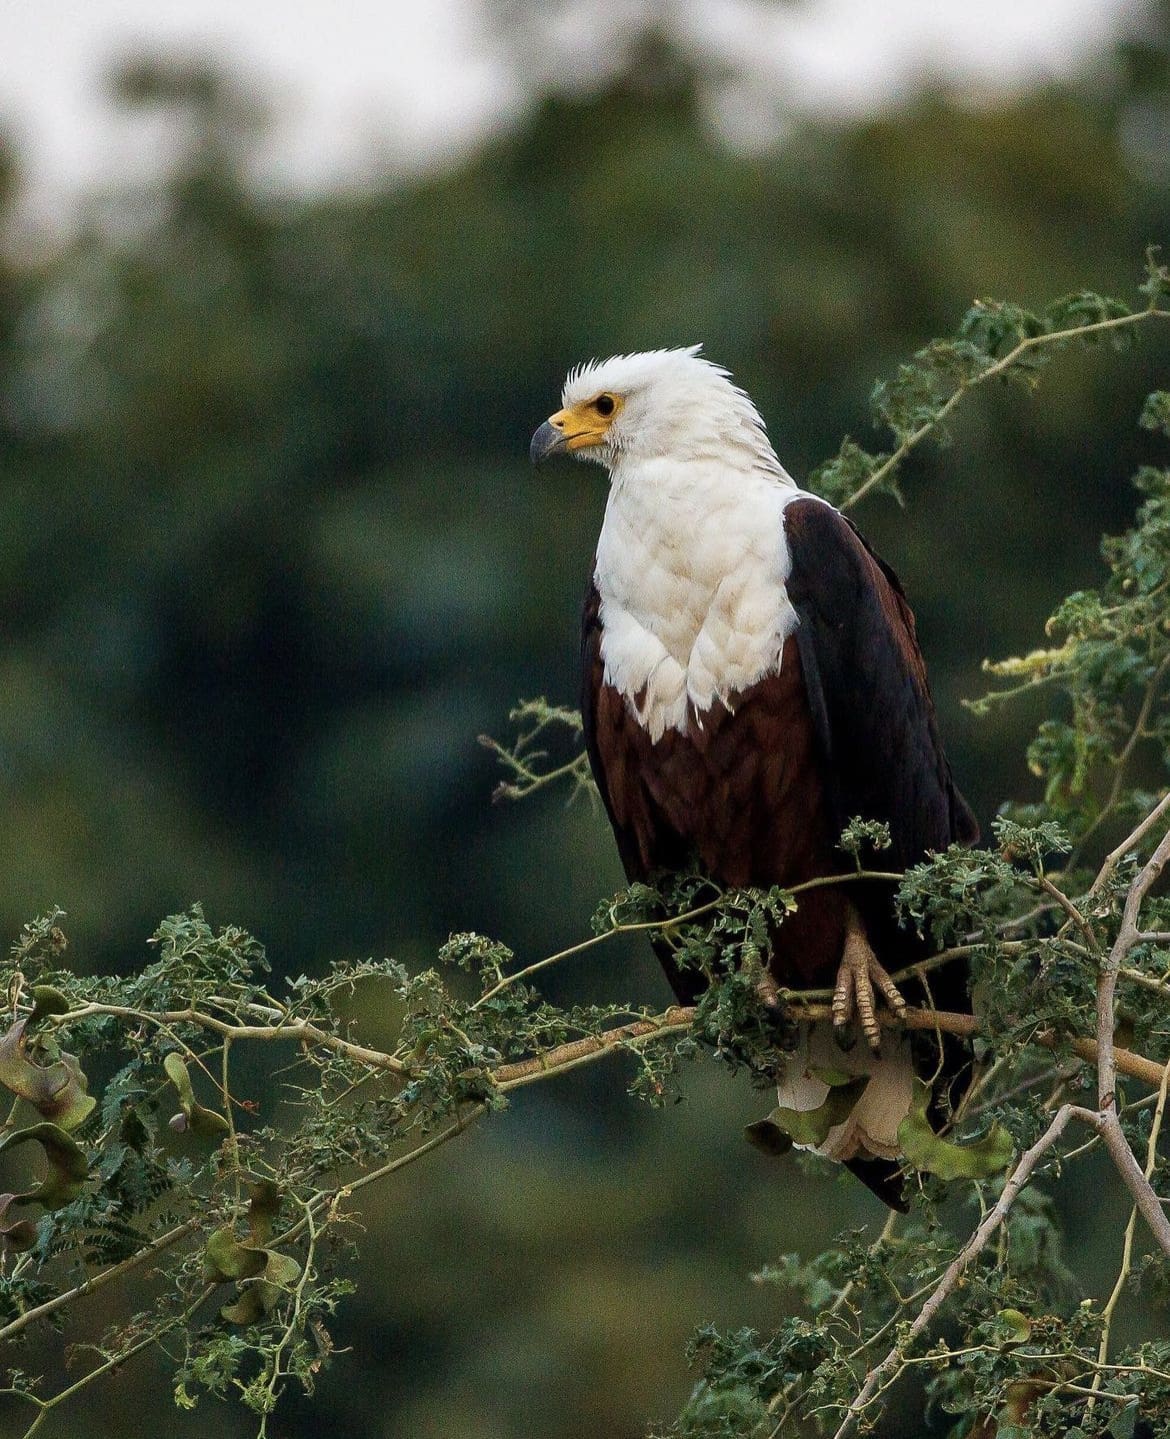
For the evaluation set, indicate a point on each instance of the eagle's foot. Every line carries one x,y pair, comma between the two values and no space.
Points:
783,1029
768,993
855,996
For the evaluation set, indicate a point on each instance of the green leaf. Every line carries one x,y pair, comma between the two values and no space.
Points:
57,1091
20,1234
1017,1323
225,1258
68,1166
1156,412
258,1296
1124,1424
204,1122
1156,285
1084,307
841,477
861,833
780,1130
929,1153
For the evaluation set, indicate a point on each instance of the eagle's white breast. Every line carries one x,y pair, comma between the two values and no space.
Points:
691,571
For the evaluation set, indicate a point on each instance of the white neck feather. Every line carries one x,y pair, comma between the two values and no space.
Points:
691,571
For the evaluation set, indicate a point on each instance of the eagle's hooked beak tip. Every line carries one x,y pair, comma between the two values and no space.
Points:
547,440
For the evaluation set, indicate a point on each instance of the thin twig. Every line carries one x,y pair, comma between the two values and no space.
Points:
1129,844
100,1280
1032,342
670,922
300,1031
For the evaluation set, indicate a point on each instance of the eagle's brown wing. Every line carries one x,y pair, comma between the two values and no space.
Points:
878,738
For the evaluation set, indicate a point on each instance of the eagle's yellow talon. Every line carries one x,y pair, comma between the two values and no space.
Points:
854,995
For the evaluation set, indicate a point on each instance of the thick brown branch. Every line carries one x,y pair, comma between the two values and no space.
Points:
1128,936
675,1020
679,1018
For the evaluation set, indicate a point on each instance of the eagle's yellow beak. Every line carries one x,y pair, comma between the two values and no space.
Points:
573,429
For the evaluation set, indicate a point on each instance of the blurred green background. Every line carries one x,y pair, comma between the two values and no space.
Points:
271,556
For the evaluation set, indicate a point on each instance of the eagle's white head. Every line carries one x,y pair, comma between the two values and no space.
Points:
658,405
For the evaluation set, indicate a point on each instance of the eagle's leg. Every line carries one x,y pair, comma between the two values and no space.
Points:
857,975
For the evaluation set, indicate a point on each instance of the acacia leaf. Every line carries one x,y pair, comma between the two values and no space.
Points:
206,1123
784,1127
929,1153
57,1091
68,1166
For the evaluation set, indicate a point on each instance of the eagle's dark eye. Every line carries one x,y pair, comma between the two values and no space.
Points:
603,404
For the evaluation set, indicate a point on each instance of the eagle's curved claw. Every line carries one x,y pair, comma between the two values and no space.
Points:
854,995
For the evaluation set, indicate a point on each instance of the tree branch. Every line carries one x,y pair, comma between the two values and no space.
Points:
891,1365
998,367
100,1280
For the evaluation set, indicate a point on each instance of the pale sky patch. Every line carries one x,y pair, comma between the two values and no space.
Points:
366,86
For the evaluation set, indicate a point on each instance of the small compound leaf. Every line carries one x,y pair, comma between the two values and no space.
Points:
204,1122
1125,1423
927,1152
807,1126
68,1166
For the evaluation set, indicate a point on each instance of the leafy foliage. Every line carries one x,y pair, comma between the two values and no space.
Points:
238,1210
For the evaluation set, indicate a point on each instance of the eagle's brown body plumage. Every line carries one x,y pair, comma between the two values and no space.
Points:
749,790
722,794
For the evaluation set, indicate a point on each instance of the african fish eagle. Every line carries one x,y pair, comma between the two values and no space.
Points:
751,681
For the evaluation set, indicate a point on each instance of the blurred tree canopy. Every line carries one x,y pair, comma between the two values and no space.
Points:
271,557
